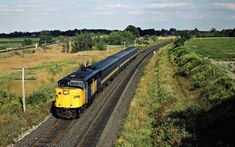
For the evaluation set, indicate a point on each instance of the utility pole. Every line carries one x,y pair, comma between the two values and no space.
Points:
23,90
23,86
107,48
85,60
124,44
135,42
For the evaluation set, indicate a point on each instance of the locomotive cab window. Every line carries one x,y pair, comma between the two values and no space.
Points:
79,84
67,83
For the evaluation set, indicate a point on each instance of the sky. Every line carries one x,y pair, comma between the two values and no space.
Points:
37,15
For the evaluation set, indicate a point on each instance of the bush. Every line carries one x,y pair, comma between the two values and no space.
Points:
40,96
203,75
82,42
194,66
223,89
179,42
100,45
9,102
45,37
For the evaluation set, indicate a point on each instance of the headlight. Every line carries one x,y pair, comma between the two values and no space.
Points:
77,96
65,92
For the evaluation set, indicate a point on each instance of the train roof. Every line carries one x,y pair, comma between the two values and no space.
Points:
82,74
103,64
86,73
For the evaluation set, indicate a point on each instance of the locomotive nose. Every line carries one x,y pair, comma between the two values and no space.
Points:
69,97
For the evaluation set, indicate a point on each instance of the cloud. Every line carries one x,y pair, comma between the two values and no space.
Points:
117,9
232,17
192,16
9,8
163,5
109,7
229,6
120,6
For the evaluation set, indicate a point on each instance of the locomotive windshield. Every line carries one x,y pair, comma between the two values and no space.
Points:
68,83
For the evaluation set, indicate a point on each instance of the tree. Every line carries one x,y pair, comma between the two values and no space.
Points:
179,42
196,32
82,42
186,35
132,29
100,45
117,38
232,33
213,30
45,37
172,32
66,45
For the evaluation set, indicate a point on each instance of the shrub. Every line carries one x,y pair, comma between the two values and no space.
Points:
194,66
179,42
9,102
40,96
100,45
223,89
27,41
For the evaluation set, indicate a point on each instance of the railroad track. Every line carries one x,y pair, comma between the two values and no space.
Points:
87,130
94,131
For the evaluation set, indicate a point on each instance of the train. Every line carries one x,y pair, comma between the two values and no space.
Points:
77,90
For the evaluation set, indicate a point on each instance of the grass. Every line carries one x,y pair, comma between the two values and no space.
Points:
181,100
155,94
214,48
13,42
221,51
137,128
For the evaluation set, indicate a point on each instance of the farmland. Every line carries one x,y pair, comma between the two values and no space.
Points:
215,48
14,42
221,51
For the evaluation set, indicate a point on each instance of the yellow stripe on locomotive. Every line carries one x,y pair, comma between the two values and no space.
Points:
69,97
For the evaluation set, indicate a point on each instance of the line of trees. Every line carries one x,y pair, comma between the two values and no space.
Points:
86,40
141,32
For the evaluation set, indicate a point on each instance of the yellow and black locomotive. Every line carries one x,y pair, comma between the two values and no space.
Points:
77,89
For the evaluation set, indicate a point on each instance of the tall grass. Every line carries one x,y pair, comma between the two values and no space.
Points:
137,128
182,100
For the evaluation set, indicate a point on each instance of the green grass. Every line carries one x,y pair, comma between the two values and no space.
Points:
155,94
137,128
181,100
13,42
215,48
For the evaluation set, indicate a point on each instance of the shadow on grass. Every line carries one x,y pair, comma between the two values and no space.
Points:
213,127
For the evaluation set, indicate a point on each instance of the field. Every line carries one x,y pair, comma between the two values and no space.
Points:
215,48
221,51
14,43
